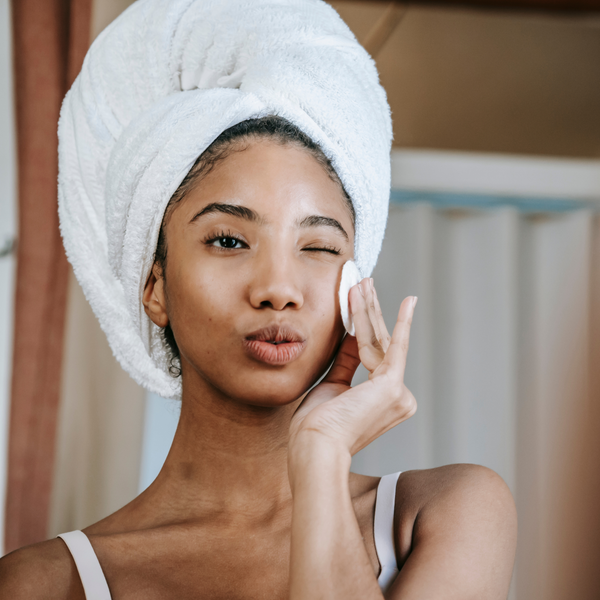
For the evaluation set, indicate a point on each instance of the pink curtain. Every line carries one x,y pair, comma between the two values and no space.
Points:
50,39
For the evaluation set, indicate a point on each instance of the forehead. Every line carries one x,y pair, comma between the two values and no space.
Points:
279,181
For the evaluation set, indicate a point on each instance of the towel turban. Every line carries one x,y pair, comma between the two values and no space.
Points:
156,88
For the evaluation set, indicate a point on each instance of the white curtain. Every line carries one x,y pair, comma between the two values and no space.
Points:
463,267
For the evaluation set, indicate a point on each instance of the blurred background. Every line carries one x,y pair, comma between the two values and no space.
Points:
493,223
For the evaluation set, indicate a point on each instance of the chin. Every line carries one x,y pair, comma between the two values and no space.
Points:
261,388
259,385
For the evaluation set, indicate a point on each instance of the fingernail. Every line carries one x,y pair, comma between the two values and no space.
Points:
414,302
360,289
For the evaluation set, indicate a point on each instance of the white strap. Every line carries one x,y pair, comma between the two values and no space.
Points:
384,529
86,561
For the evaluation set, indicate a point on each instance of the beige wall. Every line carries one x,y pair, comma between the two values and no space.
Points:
105,11
525,83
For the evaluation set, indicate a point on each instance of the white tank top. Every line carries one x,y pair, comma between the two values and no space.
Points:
96,588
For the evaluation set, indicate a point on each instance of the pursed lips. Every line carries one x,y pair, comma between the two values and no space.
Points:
276,344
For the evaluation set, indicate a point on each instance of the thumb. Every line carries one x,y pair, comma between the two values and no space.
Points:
345,364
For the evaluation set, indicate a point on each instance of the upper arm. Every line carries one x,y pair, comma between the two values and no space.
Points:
40,572
463,537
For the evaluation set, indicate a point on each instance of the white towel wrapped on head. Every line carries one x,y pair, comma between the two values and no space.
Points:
157,87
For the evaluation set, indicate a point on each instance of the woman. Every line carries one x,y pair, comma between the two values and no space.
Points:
236,312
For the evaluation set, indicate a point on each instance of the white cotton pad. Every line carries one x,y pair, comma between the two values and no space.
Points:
350,276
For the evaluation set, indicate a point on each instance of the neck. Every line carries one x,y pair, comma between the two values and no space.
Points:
227,457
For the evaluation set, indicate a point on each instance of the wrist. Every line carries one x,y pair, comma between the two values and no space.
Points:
313,454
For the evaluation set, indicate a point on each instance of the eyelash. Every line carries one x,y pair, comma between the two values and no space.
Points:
211,239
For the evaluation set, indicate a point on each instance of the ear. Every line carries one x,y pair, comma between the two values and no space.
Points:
154,299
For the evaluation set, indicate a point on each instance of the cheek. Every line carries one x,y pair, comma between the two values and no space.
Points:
328,327
202,308
323,304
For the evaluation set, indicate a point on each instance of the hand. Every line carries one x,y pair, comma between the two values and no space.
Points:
352,417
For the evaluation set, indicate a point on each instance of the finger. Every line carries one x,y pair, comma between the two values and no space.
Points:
345,364
371,311
363,327
370,350
376,317
395,357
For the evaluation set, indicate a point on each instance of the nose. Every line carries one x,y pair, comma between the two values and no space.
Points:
275,284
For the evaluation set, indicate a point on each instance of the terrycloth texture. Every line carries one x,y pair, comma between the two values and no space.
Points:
350,277
156,88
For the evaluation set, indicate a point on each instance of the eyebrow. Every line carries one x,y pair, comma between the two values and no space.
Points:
235,210
243,212
319,221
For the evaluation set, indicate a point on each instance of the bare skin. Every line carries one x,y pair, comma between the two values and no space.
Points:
256,499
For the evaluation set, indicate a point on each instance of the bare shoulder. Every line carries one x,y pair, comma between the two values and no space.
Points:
458,489
39,572
461,521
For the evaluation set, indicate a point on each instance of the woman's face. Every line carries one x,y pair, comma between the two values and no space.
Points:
255,254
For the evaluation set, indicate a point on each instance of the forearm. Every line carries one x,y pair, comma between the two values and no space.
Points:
328,556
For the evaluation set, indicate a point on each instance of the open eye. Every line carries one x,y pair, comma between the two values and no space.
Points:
225,241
